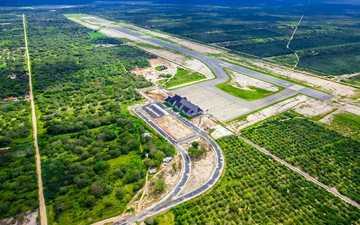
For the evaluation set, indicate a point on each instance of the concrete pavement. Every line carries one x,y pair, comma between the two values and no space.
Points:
231,107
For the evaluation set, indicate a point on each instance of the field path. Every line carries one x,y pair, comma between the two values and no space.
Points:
293,34
42,207
302,173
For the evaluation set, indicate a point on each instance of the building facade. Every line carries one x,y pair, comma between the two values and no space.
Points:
184,106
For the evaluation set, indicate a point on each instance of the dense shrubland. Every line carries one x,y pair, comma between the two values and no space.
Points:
18,187
92,148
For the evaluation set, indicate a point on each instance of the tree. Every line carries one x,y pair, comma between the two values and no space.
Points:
90,201
196,153
119,193
159,185
97,189
148,163
101,166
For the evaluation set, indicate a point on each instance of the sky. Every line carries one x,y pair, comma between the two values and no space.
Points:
212,2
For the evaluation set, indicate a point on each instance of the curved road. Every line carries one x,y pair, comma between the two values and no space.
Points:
216,65
173,198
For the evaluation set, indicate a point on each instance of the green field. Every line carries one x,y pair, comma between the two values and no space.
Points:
257,190
18,184
347,124
327,40
319,151
182,76
250,95
92,148
96,35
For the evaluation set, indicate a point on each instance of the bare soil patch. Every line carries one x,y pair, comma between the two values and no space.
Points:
172,126
245,82
171,173
157,95
266,113
331,86
201,169
313,107
28,218
153,75
220,131
189,63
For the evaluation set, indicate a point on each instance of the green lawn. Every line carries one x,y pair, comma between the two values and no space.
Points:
96,35
183,76
347,124
253,94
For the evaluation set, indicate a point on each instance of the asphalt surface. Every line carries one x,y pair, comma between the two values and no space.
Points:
217,66
173,198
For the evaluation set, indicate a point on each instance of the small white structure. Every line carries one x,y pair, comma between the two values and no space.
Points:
167,159
152,171
146,134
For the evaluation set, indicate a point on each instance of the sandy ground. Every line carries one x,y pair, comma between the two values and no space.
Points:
88,25
342,108
204,122
333,87
172,126
201,169
244,82
351,109
28,218
157,95
345,76
220,131
185,43
188,44
267,112
151,74
189,63
171,178
329,118
313,107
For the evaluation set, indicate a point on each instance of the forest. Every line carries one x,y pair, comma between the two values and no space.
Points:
13,78
18,186
318,150
257,190
327,40
92,148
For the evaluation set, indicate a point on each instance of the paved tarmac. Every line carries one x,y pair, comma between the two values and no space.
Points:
231,107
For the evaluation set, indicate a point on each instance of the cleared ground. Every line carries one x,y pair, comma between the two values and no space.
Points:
172,126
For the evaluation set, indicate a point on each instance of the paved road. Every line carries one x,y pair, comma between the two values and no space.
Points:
42,207
173,198
217,66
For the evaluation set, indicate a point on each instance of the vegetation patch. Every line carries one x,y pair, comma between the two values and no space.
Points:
347,124
18,183
92,148
257,190
319,151
250,94
182,76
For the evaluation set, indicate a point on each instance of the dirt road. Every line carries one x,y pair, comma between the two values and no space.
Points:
42,207
302,173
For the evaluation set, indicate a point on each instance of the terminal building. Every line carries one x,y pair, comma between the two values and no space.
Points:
184,106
